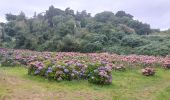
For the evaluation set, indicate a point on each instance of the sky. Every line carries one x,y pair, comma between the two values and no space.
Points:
154,12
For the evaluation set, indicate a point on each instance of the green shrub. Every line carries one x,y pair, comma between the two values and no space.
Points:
119,49
133,41
92,47
154,48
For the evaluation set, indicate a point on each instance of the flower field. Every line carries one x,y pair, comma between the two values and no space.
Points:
94,67
69,74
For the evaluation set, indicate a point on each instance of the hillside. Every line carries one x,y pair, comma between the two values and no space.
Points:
67,31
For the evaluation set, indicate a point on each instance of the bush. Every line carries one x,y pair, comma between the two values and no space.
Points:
93,47
154,48
36,68
99,74
119,49
8,60
68,70
166,65
59,71
148,71
133,41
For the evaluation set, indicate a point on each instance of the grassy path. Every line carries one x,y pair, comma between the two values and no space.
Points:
15,84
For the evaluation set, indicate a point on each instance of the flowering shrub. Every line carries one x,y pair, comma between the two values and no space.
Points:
36,68
148,71
72,70
94,67
99,73
7,59
68,70
166,65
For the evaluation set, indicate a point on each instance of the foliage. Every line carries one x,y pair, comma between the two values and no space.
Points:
99,73
7,59
154,48
133,41
65,30
148,71
94,67
71,71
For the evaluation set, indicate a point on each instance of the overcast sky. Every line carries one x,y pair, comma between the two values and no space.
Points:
154,12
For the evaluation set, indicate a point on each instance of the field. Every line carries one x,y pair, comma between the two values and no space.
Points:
15,84
126,82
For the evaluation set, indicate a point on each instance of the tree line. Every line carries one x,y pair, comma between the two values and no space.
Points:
70,31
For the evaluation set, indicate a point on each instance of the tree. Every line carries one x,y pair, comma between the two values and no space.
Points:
82,17
92,47
140,28
70,44
69,11
104,16
10,17
9,29
51,12
1,32
21,16
123,14
20,41
64,30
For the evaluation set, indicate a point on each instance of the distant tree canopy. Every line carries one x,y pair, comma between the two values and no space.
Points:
65,30
123,14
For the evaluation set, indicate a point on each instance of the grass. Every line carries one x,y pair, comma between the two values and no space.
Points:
15,84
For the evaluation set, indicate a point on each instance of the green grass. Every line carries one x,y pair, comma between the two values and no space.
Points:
15,84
